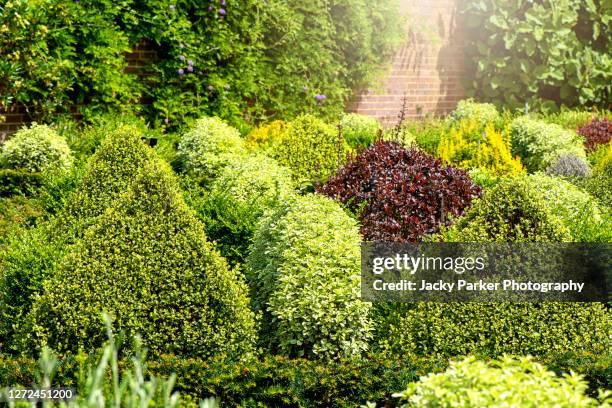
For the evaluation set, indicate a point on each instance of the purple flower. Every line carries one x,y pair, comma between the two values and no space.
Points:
320,97
210,8
304,88
190,62
181,71
223,2
182,58
221,12
172,7
190,68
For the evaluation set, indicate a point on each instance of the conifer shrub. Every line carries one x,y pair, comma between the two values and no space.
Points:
312,149
400,194
359,131
265,136
597,132
468,145
570,167
507,382
578,210
209,146
539,143
481,113
304,274
146,261
513,211
35,149
238,198
600,185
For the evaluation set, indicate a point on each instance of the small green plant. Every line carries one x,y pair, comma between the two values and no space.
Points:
303,271
481,113
359,131
499,383
35,149
539,144
209,146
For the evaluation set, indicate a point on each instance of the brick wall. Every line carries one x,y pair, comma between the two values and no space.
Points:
426,72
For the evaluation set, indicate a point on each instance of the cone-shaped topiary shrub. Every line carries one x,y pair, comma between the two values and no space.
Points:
147,262
304,272
237,199
578,211
312,149
513,211
35,149
507,382
359,131
209,146
539,143
400,194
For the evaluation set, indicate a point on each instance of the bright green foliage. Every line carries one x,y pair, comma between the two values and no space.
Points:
492,329
542,52
578,211
35,149
600,185
470,144
539,144
570,119
484,178
513,211
427,132
481,113
209,146
147,262
237,199
312,149
359,131
304,273
506,382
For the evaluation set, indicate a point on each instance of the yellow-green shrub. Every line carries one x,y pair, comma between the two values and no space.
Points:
359,131
265,136
147,262
468,146
600,185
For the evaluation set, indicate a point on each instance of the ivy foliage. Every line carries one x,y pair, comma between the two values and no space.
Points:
303,271
147,262
242,60
545,53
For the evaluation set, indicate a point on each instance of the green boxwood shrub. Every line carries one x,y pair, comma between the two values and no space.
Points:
237,199
147,262
513,211
19,182
359,131
304,273
539,144
209,146
499,383
312,149
468,109
600,185
578,211
36,148
492,329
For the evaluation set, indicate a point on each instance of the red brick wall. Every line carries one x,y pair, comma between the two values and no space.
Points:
426,71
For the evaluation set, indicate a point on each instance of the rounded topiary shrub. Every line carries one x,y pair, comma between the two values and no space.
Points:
600,185
539,143
400,194
578,211
264,137
507,382
482,113
35,149
359,131
312,149
513,211
209,146
569,166
146,261
304,273
237,199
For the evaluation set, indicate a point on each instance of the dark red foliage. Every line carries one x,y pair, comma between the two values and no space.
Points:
399,194
597,132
